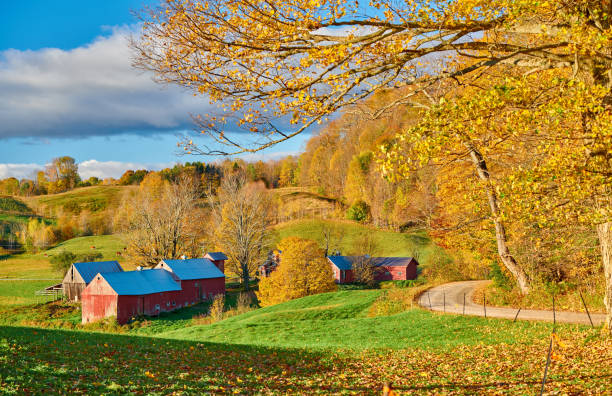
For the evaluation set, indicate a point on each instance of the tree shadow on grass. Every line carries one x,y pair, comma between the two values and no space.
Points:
61,361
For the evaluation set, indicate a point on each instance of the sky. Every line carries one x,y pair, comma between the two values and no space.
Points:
67,87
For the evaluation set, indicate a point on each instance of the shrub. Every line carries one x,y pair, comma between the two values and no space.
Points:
62,261
391,302
500,279
402,284
217,308
244,302
359,211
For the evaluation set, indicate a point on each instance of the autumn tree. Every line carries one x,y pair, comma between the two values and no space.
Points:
303,271
63,174
240,225
164,226
288,170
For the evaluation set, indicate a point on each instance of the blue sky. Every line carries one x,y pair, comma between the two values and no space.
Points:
67,88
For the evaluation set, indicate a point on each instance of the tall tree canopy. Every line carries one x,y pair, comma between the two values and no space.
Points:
265,60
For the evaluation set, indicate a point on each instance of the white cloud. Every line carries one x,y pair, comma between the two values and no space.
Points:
19,171
104,169
90,90
87,169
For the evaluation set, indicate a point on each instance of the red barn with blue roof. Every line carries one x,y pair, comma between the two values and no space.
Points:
79,275
132,293
386,268
200,278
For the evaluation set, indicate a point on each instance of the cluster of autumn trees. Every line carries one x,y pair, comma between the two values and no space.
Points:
515,99
59,176
341,162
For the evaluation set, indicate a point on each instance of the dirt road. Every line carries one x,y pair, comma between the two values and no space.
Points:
450,297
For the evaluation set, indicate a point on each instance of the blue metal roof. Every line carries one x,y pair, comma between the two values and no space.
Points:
393,261
346,262
91,269
342,262
146,281
215,256
197,268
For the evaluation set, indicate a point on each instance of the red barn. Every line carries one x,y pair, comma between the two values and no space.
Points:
200,278
79,275
387,268
342,266
218,259
130,294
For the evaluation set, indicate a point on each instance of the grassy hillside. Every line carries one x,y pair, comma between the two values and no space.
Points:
93,199
351,234
13,205
341,320
339,351
37,265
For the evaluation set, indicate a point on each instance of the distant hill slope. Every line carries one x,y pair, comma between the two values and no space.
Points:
297,202
350,235
93,199
14,206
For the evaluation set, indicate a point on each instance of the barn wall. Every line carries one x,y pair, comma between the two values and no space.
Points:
219,264
191,289
396,272
73,290
98,301
411,271
212,287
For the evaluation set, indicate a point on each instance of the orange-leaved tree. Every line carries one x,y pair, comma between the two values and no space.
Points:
303,271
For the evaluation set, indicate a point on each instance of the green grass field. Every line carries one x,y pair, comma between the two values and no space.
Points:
321,344
36,266
93,198
18,293
341,320
350,234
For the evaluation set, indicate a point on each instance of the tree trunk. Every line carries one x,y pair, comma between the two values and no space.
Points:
245,278
500,231
604,232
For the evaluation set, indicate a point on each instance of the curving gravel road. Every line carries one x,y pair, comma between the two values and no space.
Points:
454,293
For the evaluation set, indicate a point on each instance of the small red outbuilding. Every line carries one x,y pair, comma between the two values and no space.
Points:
387,268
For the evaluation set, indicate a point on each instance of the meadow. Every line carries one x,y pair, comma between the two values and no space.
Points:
346,342
325,344
93,199
37,265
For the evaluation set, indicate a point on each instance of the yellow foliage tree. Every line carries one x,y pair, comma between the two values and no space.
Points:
303,271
